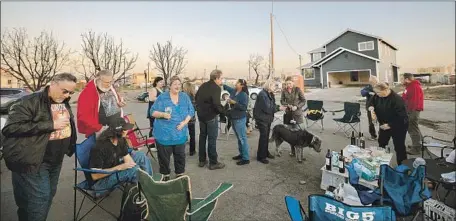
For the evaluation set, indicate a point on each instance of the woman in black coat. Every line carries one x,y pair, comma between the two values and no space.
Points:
389,110
263,112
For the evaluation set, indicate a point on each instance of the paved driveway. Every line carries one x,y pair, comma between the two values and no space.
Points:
258,190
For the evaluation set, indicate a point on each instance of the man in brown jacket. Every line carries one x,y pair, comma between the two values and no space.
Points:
292,100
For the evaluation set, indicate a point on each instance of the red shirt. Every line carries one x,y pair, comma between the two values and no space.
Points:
413,96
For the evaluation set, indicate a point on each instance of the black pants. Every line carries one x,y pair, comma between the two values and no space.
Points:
209,132
265,128
192,133
372,131
151,123
398,134
164,157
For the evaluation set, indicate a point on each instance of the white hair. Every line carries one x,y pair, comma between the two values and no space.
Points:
268,84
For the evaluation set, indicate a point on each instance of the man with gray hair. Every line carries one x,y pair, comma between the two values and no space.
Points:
208,107
39,131
98,103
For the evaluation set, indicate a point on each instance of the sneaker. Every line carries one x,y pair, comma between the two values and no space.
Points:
243,162
192,153
202,164
372,138
165,178
270,156
265,161
216,166
292,154
238,157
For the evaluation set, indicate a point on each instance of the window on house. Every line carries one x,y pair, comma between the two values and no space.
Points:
354,76
316,56
10,82
309,74
366,46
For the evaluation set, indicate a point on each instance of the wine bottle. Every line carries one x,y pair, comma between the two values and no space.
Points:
328,160
353,139
362,141
358,139
341,162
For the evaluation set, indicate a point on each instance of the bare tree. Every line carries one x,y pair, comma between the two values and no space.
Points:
101,52
169,60
256,62
34,62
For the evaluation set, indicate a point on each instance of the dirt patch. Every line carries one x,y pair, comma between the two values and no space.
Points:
435,125
440,93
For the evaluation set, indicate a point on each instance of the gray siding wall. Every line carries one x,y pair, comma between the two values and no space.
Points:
347,61
314,82
350,40
387,57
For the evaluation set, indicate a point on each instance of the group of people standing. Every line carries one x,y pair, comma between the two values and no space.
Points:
395,115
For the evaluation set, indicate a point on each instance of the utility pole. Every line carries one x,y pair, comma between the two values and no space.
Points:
145,78
300,65
272,41
216,67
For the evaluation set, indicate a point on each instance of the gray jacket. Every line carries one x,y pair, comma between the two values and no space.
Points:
295,98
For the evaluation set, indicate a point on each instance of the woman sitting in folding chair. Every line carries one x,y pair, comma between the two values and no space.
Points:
111,154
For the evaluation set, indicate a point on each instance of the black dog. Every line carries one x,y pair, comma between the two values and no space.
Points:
298,139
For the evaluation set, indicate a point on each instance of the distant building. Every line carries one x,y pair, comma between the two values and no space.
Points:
7,80
138,79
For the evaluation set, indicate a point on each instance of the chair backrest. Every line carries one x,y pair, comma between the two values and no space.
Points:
83,152
314,105
352,110
294,208
403,187
166,200
325,208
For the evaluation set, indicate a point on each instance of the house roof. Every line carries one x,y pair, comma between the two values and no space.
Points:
338,51
317,50
362,33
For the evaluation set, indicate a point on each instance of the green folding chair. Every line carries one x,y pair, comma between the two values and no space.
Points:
172,200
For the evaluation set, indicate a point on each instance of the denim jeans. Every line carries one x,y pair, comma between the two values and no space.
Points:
128,175
241,133
209,131
33,192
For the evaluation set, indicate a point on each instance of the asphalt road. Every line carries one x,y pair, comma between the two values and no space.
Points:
258,192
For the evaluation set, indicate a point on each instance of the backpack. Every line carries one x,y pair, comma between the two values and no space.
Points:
134,206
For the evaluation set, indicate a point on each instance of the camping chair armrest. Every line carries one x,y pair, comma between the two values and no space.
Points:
95,171
323,109
334,112
224,187
443,148
304,110
146,128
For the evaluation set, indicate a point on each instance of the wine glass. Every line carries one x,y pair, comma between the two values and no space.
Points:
168,110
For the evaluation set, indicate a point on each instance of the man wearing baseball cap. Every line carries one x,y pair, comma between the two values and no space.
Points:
111,154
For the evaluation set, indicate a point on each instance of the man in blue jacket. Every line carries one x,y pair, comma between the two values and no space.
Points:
368,93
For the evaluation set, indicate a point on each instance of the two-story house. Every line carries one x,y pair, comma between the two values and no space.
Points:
350,59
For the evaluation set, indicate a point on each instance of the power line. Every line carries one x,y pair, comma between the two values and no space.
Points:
286,38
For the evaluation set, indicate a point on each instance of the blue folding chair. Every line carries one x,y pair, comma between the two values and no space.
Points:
325,208
402,188
97,196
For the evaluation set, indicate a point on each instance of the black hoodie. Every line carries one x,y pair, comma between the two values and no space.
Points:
390,110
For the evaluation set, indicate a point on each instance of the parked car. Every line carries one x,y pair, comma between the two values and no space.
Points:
8,96
254,91
143,96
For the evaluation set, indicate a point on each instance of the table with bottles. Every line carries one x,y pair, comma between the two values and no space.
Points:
374,156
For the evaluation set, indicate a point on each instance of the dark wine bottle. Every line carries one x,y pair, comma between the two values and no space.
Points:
362,141
341,162
353,139
358,139
328,160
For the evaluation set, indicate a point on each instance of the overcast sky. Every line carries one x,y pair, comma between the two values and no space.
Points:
226,33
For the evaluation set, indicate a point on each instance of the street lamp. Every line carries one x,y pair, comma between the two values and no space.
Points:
145,77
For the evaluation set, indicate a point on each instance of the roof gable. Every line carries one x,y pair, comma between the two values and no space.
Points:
361,33
338,51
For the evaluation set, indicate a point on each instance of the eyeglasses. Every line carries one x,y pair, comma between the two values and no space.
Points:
65,91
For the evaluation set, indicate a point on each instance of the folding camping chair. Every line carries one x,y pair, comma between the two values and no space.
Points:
136,139
315,113
351,118
401,188
223,119
97,196
322,207
440,149
172,200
